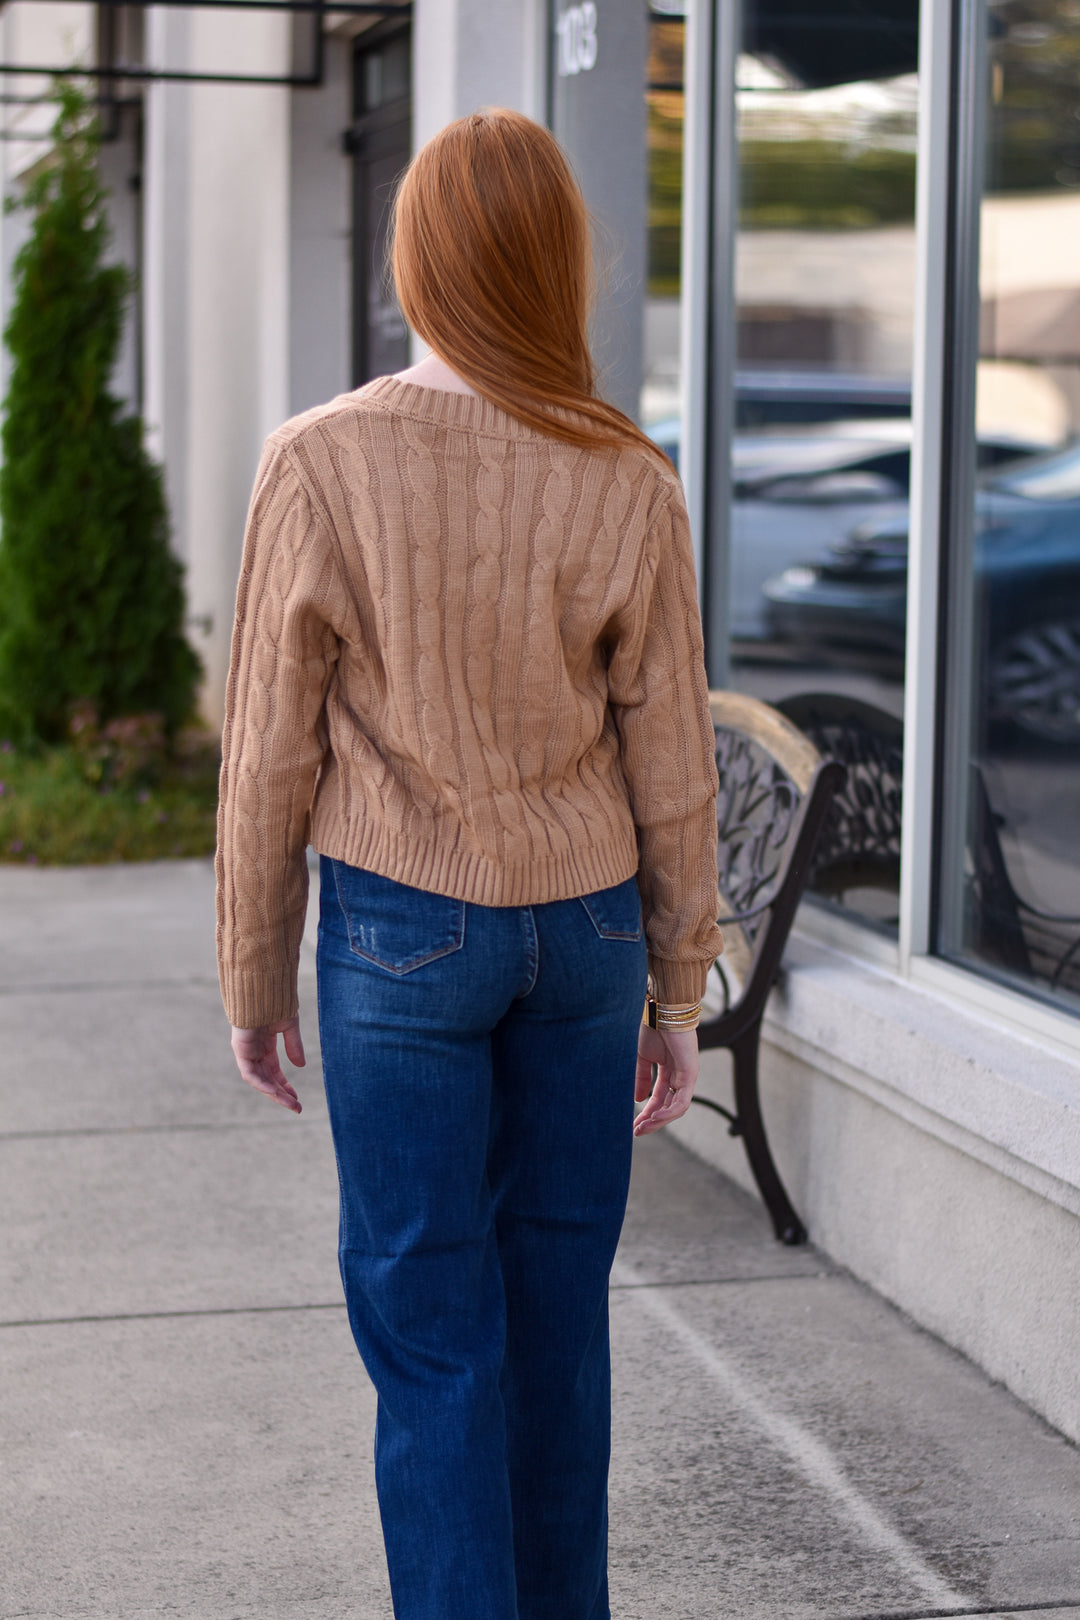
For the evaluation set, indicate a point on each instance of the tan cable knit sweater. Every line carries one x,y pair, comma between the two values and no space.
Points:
467,656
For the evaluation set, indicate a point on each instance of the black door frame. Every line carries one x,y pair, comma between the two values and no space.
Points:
371,135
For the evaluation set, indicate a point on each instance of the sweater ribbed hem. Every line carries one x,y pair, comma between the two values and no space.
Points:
254,999
465,874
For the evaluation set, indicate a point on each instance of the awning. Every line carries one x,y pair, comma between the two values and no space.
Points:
835,42
113,73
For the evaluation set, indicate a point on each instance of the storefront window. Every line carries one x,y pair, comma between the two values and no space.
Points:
660,404
824,277
378,142
1009,881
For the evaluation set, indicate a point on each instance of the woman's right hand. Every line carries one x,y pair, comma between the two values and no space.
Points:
256,1054
675,1055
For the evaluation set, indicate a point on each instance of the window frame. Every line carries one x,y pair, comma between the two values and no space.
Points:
948,196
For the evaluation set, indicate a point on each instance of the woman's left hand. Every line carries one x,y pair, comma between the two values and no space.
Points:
256,1053
674,1052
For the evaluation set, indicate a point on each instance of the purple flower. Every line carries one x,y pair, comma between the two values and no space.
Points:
15,846
2,786
6,746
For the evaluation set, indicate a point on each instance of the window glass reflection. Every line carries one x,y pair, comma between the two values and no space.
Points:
1011,874
825,262
664,105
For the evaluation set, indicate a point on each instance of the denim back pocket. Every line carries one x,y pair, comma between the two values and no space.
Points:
397,927
615,913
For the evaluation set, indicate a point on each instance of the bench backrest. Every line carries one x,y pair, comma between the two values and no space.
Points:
859,845
775,791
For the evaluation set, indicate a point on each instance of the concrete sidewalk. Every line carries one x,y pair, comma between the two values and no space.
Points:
185,1429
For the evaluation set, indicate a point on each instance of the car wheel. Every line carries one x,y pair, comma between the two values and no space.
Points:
1035,681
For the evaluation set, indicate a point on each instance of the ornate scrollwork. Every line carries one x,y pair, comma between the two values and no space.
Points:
755,812
865,817
860,841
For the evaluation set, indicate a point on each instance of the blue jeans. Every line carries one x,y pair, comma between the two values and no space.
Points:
479,1066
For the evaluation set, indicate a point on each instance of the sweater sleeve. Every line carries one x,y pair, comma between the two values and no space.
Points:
283,654
659,693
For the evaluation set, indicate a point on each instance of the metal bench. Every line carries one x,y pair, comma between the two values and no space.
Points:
775,792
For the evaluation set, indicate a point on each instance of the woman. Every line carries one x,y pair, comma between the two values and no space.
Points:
467,668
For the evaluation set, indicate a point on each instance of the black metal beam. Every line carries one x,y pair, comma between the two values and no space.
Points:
317,9
156,76
361,8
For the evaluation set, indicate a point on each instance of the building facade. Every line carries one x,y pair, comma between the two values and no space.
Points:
839,283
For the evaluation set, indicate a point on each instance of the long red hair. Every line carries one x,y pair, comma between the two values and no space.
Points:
492,261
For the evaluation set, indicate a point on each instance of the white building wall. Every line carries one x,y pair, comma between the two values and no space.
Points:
931,1149
320,236
166,192
476,53
29,32
217,298
60,34
118,164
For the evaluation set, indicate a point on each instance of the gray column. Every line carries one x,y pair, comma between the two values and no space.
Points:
599,55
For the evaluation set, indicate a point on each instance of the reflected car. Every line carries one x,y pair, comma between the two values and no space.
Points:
799,490
1027,594
770,397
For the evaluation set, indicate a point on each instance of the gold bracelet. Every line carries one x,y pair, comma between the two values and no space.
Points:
686,1021
660,1017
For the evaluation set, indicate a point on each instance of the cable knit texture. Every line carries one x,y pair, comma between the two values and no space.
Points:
466,656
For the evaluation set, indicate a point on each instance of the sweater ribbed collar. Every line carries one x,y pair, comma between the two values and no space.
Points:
445,409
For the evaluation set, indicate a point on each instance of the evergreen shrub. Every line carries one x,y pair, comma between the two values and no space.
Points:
91,596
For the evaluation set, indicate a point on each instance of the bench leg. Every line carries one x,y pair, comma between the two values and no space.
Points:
744,1054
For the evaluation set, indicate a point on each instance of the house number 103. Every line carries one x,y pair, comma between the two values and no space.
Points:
576,29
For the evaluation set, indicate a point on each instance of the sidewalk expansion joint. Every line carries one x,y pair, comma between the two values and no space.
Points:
995,1610
271,1124
721,1282
190,981
806,1452
164,1316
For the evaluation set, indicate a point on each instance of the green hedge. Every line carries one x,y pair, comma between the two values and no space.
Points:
824,185
798,185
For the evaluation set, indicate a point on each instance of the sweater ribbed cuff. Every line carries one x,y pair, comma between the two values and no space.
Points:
255,999
678,984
